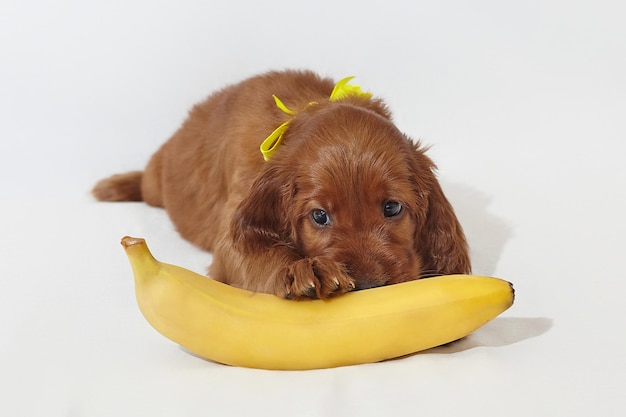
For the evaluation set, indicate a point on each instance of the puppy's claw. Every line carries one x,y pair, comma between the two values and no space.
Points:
310,292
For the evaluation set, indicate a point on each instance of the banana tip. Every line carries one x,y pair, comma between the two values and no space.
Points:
512,292
128,241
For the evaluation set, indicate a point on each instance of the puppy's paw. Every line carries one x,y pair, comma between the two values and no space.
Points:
315,278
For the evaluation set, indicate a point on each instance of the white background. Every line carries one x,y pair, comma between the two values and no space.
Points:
524,105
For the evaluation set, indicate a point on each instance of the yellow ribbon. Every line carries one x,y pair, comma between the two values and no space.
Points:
269,145
282,106
341,90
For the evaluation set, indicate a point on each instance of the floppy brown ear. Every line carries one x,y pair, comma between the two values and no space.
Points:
261,220
440,241
443,241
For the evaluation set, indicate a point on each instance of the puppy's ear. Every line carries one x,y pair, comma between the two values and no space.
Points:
440,240
262,220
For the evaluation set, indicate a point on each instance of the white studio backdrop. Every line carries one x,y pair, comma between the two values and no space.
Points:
522,103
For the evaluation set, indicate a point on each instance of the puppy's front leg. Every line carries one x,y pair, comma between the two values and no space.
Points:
280,271
313,278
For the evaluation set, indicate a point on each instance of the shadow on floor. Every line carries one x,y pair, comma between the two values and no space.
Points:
502,331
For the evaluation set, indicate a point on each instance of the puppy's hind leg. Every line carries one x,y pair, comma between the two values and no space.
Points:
120,187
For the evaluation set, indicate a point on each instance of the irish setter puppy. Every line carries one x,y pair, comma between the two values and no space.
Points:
345,201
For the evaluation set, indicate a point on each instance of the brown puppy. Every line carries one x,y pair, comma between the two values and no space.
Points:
345,202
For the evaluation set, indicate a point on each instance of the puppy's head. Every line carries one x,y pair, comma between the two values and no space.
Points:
347,185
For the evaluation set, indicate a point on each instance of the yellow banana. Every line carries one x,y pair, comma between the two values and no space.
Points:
241,328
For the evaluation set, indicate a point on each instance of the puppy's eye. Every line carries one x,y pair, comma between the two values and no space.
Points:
392,208
320,217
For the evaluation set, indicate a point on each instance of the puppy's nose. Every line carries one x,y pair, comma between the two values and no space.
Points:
366,275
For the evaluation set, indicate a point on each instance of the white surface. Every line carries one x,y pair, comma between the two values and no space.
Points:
523,102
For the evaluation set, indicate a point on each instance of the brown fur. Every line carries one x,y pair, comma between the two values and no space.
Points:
345,157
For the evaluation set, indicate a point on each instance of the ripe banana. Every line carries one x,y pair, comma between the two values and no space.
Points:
241,328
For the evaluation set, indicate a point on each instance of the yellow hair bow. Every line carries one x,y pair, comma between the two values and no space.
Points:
342,90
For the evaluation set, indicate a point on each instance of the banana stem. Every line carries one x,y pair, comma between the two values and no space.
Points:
141,260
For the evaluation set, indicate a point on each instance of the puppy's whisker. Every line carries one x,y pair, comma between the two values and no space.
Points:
429,274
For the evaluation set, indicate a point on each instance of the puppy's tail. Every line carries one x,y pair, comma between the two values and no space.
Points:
120,187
